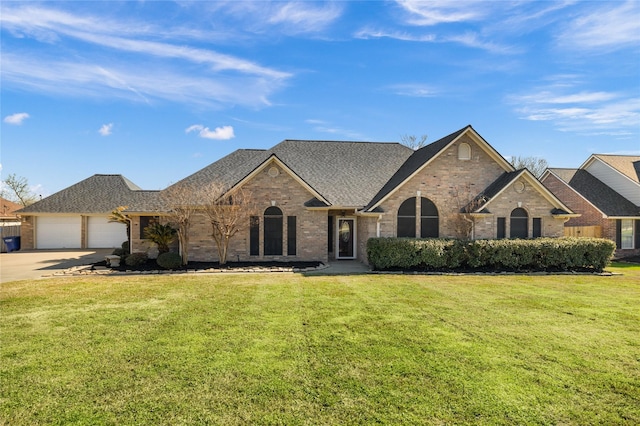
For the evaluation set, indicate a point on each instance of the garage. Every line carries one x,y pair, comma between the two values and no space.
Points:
56,232
104,234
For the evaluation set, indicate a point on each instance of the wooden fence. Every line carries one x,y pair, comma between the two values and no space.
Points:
8,231
583,231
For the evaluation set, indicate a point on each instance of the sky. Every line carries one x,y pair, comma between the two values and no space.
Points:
157,90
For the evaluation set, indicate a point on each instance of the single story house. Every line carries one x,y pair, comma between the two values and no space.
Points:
605,190
322,200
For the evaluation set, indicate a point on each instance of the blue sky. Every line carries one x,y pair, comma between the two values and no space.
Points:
157,90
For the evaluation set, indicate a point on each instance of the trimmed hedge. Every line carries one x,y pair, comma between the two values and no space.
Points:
135,259
541,254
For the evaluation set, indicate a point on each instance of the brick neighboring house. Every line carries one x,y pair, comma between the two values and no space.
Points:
322,200
605,190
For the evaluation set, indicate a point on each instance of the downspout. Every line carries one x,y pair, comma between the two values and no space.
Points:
378,226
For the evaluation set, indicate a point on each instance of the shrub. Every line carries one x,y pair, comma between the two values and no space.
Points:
550,254
125,247
161,235
169,260
119,252
136,259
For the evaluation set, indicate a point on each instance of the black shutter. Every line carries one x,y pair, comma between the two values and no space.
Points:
618,233
637,231
291,235
254,236
537,227
502,228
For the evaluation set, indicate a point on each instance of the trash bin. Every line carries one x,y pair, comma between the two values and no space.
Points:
12,243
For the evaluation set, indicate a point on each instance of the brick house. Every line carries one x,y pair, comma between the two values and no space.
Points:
605,190
322,200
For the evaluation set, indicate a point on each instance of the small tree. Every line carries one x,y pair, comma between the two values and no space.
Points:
535,165
161,235
413,142
465,204
118,215
181,203
228,212
17,189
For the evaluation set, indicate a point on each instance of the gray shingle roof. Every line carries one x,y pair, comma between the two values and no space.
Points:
96,194
599,194
413,163
344,173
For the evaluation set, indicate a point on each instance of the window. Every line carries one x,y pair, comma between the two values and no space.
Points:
519,223
146,221
291,235
464,151
254,236
273,231
626,234
429,222
537,227
502,228
407,219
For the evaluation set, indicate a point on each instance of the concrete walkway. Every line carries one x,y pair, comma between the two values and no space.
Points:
342,267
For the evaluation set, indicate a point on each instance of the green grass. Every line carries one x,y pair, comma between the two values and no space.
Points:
293,349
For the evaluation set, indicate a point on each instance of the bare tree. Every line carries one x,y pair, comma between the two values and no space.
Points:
413,142
19,190
464,203
181,202
228,213
535,165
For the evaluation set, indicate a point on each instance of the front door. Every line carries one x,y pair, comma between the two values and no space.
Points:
346,238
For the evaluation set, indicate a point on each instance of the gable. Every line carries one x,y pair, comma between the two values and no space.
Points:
425,156
617,172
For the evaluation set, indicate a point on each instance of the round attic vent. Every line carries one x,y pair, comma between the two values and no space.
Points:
519,186
273,172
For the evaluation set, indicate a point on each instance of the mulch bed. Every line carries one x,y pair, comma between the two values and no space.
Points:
151,265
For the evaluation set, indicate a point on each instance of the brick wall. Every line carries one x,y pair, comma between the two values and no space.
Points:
284,192
446,175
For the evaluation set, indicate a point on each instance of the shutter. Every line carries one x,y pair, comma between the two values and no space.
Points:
637,231
618,233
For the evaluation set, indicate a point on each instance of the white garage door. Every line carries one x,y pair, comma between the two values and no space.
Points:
58,232
105,234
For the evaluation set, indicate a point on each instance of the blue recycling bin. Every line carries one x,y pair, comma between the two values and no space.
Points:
12,243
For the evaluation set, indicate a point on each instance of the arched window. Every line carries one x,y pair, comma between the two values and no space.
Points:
519,223
407,218
464,151
273,231
429,220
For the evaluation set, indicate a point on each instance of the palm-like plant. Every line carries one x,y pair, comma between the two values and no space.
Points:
161,235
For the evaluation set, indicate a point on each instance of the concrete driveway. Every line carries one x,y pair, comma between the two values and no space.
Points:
33,264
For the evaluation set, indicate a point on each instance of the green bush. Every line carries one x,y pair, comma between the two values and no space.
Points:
119,252
169,260
136,259
542,254
125,247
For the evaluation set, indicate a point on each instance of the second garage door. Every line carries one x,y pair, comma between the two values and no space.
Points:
104,234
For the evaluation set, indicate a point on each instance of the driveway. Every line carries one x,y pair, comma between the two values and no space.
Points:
33,264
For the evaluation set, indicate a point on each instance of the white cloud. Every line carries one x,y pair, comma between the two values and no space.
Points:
581,111
414,90
435,12
305,17
106,129
220,133
143,69
16,119
612,26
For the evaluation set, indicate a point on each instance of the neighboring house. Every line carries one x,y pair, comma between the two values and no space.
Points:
78,216
9,221
322,200
605,190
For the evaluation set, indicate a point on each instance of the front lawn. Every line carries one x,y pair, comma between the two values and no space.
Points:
294,349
